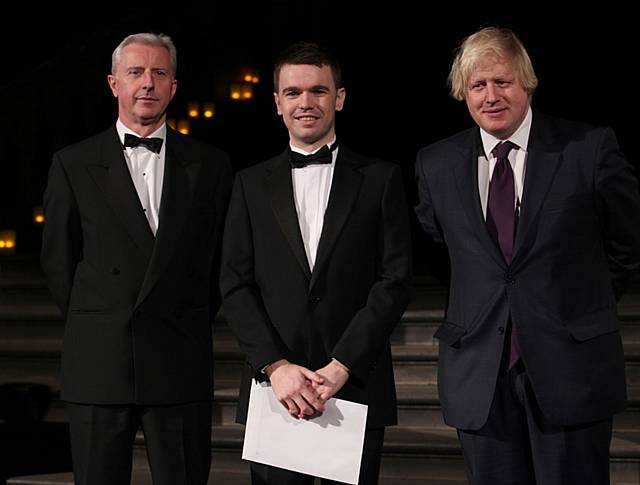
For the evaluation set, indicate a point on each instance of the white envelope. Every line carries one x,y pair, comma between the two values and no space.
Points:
329,446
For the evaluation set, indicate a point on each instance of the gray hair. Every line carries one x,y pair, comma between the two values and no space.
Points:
146,39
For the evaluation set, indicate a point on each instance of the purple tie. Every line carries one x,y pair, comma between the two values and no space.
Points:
501,217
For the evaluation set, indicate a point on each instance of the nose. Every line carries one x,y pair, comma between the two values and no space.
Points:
306,100
492,94
147,80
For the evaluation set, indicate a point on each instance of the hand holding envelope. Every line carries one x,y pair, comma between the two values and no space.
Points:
328,446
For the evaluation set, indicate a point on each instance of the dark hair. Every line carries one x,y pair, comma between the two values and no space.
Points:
307,53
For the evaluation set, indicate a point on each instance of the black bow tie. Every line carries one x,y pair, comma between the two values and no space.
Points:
153,144
322,156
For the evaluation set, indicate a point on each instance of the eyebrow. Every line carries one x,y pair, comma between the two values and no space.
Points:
312,88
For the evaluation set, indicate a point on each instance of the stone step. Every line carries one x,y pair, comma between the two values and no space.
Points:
32,331
416,381
411,455
394,471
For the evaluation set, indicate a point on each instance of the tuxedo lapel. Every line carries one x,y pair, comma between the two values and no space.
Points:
177,190
344,192
465,168
112,176
280,190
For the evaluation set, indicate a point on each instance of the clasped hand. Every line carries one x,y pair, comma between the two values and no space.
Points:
304,392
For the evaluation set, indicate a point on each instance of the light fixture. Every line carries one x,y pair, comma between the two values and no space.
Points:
193,109
38,215
7,241
184,126
250,76
208,110
241,92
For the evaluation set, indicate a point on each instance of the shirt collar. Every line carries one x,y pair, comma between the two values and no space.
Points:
300,150
123,129
520,137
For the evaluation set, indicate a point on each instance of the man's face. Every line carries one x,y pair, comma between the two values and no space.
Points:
307,100
144,85
495,98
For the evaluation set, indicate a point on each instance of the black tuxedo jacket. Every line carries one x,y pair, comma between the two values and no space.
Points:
137,308
576,247
347,307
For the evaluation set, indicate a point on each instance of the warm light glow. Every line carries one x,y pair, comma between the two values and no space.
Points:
7,241
193,109
171,122
247,91
184,127
38,215
250,76
208,110
241,92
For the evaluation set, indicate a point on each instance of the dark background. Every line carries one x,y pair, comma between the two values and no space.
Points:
395,60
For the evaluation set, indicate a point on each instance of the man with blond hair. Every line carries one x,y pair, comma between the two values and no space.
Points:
541,218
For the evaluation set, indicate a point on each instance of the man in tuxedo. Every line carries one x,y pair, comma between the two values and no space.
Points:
543,234
316,263
130,250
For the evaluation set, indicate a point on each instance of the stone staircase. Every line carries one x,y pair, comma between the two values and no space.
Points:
420,450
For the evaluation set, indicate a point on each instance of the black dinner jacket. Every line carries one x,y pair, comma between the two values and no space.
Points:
137,307
348,305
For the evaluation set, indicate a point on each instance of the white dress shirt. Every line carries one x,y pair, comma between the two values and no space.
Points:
311,188
517,159
147,172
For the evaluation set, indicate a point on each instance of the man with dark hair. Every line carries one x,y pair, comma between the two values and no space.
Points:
316,264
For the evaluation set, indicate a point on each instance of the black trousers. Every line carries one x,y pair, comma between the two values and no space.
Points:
369,468
519,446
177,437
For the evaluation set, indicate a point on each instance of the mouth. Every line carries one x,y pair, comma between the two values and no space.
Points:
306,117
494,112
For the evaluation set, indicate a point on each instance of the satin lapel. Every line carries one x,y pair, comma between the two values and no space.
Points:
465,168
112,176
177,191
344,192
280,190
542,164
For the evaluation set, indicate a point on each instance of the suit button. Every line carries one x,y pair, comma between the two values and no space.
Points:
509,279
501,330
115,271
314,299
137,313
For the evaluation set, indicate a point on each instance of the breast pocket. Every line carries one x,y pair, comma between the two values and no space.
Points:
569,203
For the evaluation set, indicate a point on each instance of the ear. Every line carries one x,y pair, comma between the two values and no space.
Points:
174,88
341,94
111,79
277,101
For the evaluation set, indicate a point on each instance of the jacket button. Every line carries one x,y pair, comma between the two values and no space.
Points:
501,330
115,271
508,277
137,313
314,299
